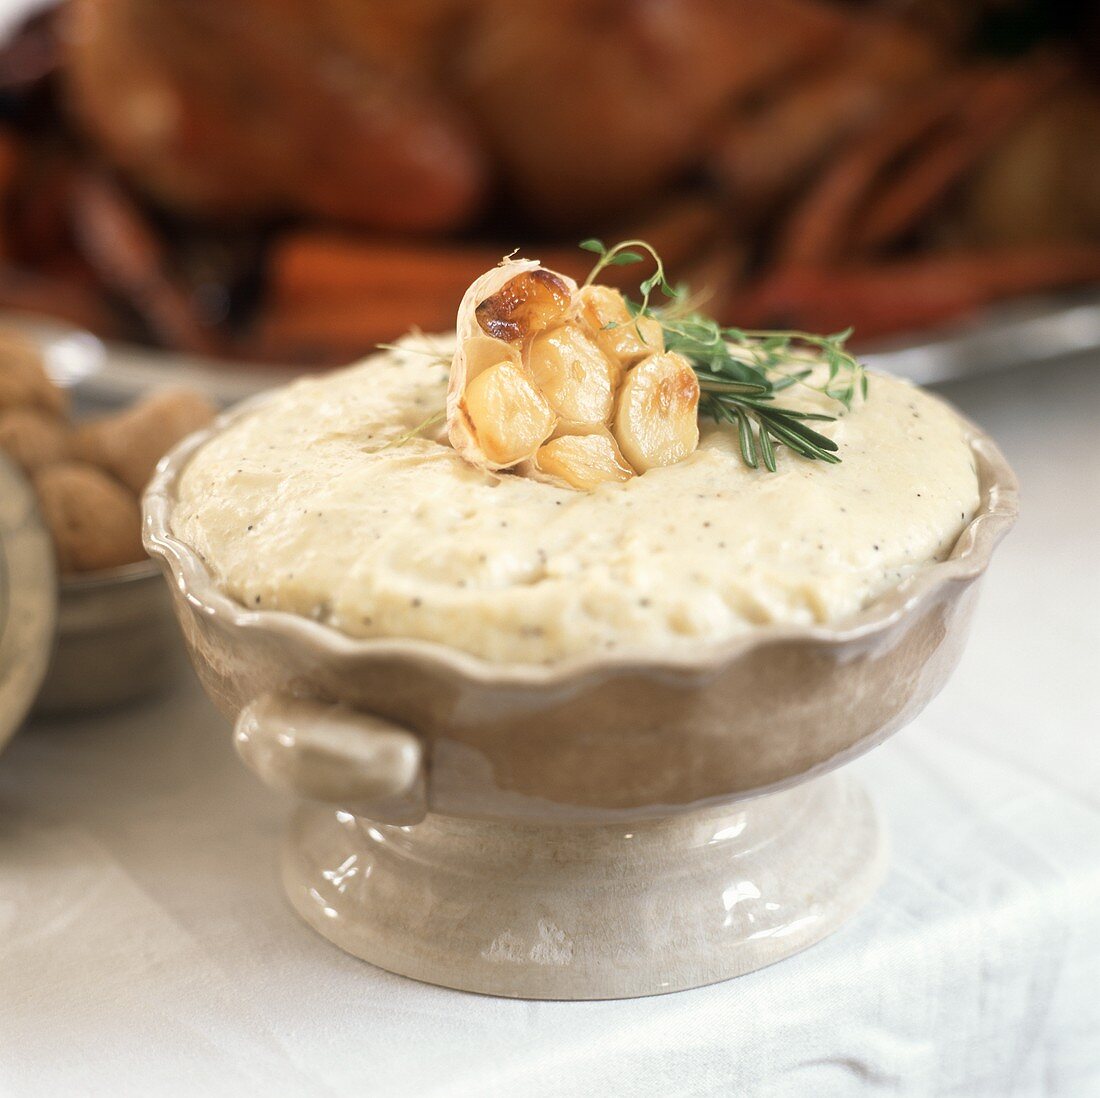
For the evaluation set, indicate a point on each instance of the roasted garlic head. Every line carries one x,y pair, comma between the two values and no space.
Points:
562,384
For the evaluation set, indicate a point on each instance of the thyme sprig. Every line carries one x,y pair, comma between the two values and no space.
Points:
622,255
742,371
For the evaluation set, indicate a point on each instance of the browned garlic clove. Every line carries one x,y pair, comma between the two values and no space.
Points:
656,413
581,461
484,351
509,417
576,377
620,336
525,304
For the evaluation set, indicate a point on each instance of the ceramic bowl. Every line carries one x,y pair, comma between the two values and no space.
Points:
603,827
28,604
116,641
79,643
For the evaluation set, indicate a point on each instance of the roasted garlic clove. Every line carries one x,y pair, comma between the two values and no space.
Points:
582,461
623,338
483,351
524,305
575,376
656,412
507,414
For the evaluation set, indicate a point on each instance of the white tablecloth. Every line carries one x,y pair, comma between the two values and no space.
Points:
145,946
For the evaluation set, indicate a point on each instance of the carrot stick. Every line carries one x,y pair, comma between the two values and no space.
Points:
125,252
902,296
996,105
817,231
39,294
767,151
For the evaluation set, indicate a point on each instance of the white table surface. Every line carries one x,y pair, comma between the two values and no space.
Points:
145,946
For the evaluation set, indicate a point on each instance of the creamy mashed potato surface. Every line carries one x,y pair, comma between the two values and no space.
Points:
307,505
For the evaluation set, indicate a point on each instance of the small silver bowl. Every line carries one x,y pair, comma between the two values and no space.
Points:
116,641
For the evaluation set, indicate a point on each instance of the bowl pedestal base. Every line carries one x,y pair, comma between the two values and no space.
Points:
589,911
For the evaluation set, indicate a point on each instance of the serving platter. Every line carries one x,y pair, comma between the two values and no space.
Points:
1023,333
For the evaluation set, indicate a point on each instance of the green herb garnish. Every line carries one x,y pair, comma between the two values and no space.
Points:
416,432
740,371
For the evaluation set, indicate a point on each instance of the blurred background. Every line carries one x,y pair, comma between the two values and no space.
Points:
291,181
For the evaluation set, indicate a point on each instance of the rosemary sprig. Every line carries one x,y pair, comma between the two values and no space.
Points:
742,371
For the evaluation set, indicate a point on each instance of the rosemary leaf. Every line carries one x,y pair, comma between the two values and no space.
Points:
766,449
748,447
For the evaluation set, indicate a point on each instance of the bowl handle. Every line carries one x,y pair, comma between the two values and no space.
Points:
332,753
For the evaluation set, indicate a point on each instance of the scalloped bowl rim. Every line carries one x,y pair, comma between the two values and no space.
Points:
968,559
